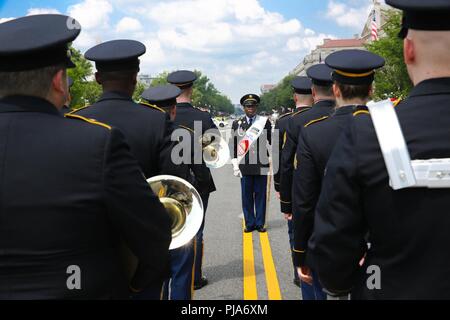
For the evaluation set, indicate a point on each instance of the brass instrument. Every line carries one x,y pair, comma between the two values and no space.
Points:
185,208
182,203
216,152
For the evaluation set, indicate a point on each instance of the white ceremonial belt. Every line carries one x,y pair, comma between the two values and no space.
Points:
393,145
434,173
404,173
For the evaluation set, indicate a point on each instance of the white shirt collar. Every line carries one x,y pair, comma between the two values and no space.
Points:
248,119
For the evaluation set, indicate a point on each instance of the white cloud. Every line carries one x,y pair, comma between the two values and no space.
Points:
35,11
238,44
308,42
128,24
346,16
91,14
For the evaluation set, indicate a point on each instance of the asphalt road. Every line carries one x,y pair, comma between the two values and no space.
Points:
244,266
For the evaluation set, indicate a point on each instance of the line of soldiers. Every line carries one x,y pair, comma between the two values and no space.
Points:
73,188
350,232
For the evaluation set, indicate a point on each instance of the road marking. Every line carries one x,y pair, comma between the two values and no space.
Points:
273,287
250,291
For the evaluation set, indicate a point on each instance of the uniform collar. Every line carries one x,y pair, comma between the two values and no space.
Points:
300,108
325,104
247,118
184,105
346,110
114,95
27,104
431,87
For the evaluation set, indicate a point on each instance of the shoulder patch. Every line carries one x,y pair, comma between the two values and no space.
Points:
152,106
316,121
79,109
91,121
301,111
359,112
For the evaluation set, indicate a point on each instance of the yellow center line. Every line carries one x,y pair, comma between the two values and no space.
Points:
273,287
250,291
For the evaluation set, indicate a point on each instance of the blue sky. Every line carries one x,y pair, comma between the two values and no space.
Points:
239,44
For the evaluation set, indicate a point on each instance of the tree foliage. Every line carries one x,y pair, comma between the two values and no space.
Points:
392,81
83,90
205,94
281,96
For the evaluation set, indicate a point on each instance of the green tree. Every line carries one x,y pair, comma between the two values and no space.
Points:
281,96
160,80
140,87
82,90
392,81
205,94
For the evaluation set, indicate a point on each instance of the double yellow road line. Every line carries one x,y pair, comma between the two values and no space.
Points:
250,289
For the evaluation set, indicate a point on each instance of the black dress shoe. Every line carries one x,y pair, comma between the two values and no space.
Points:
203,282
250,229
261,229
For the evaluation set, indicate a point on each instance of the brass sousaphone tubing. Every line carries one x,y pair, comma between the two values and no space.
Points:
182,203
216,152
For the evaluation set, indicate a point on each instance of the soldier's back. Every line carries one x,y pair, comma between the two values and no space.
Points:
53,213
408,228
144,127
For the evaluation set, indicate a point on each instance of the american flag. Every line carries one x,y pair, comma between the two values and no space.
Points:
374,26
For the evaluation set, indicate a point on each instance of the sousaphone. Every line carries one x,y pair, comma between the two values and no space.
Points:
216,152
183,205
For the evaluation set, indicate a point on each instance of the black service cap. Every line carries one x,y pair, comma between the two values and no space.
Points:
116,55
302,85
320,75
182,79
162,96
250,100
427,15
354,67
37,41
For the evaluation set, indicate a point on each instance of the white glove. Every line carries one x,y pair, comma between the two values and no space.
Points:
237,171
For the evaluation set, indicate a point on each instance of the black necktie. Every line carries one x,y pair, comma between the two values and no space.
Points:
250,122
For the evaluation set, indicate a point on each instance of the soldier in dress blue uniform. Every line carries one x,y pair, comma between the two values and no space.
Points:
322,95
316,142
147,128
64,212
408,228
187,117
323,106
164,97
179,285
302,87
254,168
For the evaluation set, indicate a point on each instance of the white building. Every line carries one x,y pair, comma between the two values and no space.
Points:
267,87
319,54
145,79
329,46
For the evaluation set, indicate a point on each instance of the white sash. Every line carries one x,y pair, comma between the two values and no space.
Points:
251,136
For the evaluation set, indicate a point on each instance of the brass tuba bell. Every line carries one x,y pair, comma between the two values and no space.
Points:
182,203
216,152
